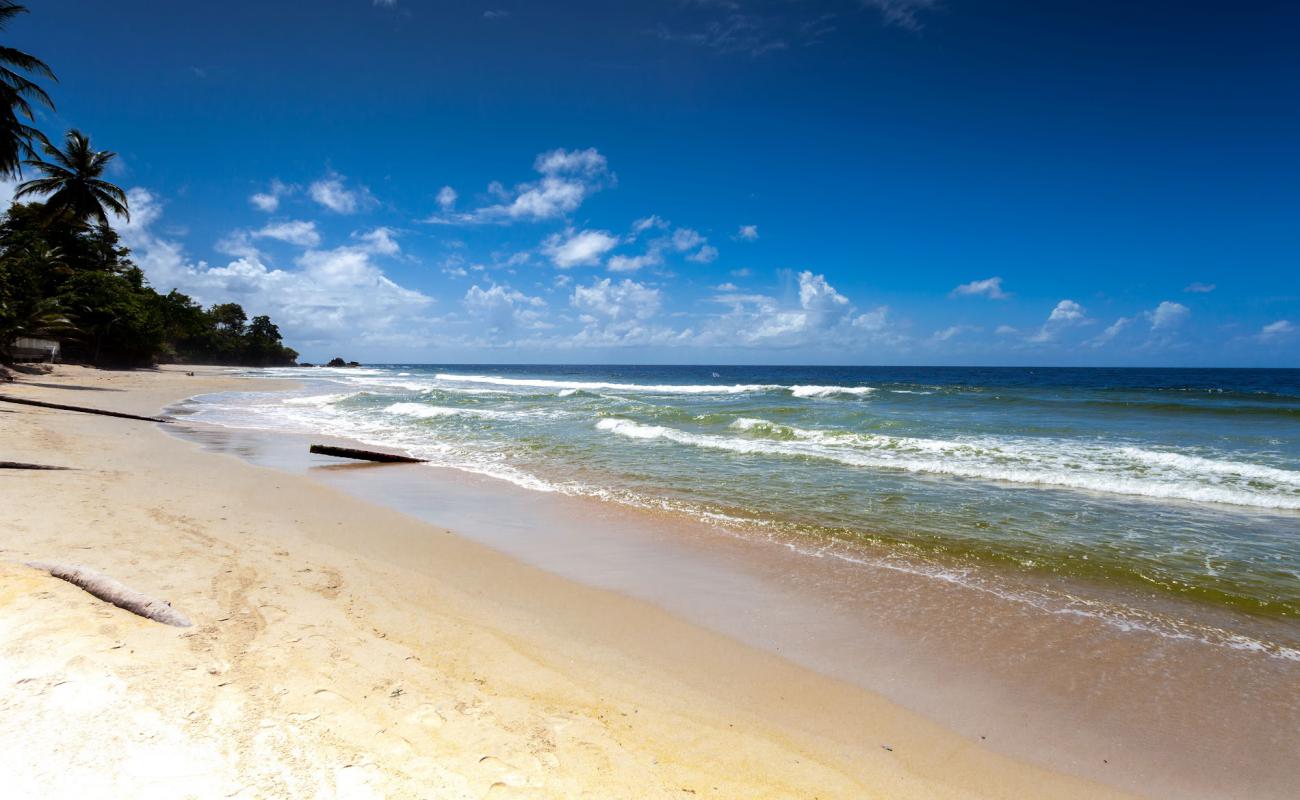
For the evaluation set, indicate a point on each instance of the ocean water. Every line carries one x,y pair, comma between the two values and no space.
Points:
1171,483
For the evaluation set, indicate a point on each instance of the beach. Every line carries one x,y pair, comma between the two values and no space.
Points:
315,671
342,648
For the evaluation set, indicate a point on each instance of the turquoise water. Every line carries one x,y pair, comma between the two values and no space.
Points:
1181,482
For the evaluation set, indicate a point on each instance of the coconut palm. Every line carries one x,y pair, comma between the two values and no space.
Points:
17,94
72,181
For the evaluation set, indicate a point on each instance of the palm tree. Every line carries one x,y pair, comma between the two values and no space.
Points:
73,184
17,93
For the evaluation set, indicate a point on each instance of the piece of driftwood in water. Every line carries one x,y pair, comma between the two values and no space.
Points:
364,455
21,465
111,591
61,407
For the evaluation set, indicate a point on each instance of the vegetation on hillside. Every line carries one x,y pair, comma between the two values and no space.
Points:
63,271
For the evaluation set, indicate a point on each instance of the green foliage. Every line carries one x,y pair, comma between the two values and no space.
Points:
72,182
18,93
61,277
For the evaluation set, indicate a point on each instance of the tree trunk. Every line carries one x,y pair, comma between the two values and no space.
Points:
364,455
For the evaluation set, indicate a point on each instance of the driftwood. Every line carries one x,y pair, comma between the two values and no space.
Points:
82,409
364,455
110,591
21,465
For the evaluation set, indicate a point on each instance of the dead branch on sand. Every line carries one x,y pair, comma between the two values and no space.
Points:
111,591
84,410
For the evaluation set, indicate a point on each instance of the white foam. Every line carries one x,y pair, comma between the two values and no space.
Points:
664,388
319,400
1052,463
430,412
831,391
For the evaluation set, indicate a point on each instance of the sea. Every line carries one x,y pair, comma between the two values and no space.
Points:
1149,488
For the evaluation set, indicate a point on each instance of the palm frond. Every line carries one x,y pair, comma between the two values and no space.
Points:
26,62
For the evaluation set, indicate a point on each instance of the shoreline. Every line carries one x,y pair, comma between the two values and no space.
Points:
707,710
1065,691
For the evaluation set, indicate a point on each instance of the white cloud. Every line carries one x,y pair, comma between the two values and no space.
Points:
1276,330
747,233
874,320
686,239
646,223
1168,315
503,310
578,249
447,198
989,287
567,178
1112,330
617,302
1199,288
902,13
706,254
269,201
333,193
682,240
823,317
1006,330
952,331
1066,313
620,314
333,298
727,287
302,233
651,258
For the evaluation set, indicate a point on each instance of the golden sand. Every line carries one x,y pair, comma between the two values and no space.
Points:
316,670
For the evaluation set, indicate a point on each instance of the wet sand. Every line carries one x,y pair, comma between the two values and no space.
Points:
547,649
1168,717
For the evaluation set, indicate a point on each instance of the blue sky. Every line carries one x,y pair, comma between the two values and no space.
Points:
739,181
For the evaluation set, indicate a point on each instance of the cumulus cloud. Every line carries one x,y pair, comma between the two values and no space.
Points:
620,313
568,177
269,201
447,198
689,241
503,310
1112,330
989,287
1275,331
578,248
647,223
332,192
1199,288
1067,313
296,232
823,316
621,263
1168,315
952,331
335,297
747,233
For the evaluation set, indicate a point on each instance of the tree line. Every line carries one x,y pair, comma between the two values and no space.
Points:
63,270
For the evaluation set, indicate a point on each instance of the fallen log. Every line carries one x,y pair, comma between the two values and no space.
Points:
364,455
61,407
21,465
111,591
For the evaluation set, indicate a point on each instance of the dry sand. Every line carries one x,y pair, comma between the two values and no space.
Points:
314,670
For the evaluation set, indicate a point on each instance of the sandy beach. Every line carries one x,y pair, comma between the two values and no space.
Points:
313,670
